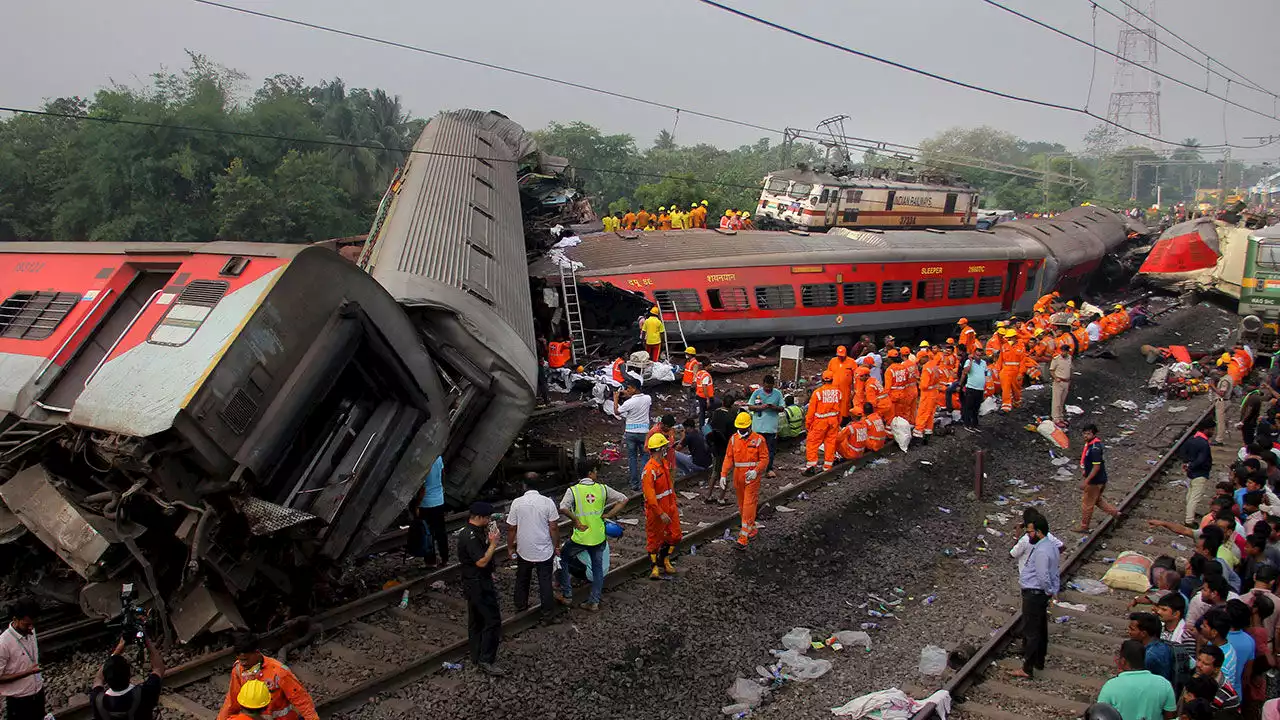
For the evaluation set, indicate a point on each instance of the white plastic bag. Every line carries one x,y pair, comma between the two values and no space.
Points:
801,668
798,639
746,692
850,638
1158,378
1053,434
1089,586
901,432
933,660
661,372
989,405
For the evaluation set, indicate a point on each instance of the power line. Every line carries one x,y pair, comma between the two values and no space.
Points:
951,81
484,64
344,144
1122,58
1193,47
1208,66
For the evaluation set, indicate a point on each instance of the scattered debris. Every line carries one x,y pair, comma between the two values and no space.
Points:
933,660
1126,405
1074,410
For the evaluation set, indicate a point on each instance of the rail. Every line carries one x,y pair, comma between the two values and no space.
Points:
971,670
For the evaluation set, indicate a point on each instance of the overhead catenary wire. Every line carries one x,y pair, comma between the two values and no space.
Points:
1189,44
952,81
344,144
485,64
1121,58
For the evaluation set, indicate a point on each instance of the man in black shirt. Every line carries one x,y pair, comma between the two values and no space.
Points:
1250,410
721,423
1197,460
477,542
693,453
115,697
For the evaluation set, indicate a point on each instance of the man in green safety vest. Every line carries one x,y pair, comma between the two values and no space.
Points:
792,424
585,505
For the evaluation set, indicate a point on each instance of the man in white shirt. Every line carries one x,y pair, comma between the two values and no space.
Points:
1094,328
533,539
20,680
633,406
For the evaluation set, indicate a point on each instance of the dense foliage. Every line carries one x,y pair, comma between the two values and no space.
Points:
298,163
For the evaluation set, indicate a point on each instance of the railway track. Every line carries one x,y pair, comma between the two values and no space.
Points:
1081,644
352,653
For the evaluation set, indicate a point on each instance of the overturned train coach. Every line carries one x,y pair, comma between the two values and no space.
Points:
712,283
207,419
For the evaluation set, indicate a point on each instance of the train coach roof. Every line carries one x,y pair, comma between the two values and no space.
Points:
816,178
251,249
612,254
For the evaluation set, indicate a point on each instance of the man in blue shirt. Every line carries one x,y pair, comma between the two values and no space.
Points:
765,404
1241,615
1145,628
427,535
974,372
1039,581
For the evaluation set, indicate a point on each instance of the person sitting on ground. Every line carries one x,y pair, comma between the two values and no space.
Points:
1137,693
115,696
692,452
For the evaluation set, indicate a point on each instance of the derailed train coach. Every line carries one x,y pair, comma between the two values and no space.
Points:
223,424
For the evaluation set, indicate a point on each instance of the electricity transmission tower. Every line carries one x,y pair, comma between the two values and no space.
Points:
1135,90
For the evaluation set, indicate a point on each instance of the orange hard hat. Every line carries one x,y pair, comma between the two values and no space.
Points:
868,361
893,352
951,341
842,351
827,376
962,321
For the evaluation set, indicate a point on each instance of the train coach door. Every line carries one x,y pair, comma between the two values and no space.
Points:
950,205
121,318
1012,281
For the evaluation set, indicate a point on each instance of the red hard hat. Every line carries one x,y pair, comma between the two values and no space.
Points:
826,375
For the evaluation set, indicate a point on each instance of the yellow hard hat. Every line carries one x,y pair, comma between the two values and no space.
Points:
1117,306
1071,303
653,310
693,205
657,440
661,208
254,695
1001,323
690,351
704,202
1039,332
1226,358
924,343
742,421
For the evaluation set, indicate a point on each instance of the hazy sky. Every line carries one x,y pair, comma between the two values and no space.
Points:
677,51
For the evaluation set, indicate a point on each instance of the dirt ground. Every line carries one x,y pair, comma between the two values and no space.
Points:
908,531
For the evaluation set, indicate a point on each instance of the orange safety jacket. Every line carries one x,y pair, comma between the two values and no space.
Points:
659,493
1011,358
851,443
671,442
705,387
860,378
824,404
876,433
969,339
743,454
289,700
896,378
1081,335
691,368
994,344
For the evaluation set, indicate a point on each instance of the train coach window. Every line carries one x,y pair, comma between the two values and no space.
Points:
1268,255
188,312
929,289
823,295
958,288
1031,278
990,286
776,297
683,301
34,315
778,185
826,195
895,291
860,293
800,190
728,298
853,196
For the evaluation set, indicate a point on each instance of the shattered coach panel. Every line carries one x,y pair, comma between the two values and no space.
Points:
451,250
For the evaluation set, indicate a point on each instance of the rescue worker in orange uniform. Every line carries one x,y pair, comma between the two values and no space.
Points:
932,383
851,443
1118,320
642,219
747,224
842,368
1011,357
895,382
691,368
968,336
1081,334
629,220
253,698
822,423
666,425
664,219
913,379
704,390
661,514
617,367
289,700
702,214
860,377
747,458
877,393
996,341
877,435
1045,303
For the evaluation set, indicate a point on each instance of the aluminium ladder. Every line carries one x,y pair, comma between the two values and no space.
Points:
573,313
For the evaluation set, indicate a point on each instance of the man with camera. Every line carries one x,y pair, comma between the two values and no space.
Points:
114,696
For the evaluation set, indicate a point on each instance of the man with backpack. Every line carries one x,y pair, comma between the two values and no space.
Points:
115,697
